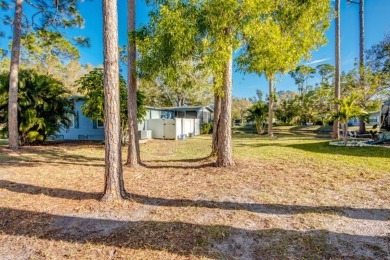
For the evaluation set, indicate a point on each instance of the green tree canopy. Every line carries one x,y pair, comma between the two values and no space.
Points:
240,108
91,88
169,54
48,15
279,34
50,53
379,55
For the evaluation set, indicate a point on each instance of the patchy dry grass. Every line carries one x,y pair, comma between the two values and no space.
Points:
292,196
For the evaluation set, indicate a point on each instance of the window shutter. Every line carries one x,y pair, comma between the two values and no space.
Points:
94,123
77,120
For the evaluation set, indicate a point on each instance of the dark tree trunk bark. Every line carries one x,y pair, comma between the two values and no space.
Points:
362,125
217,112
361,35
13,132
270,108
133,154
345,133
337,94
225,153
113,178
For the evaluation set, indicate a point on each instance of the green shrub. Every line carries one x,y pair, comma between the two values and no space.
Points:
43,106
207,128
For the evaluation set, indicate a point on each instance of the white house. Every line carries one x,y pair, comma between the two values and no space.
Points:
374,119
166,123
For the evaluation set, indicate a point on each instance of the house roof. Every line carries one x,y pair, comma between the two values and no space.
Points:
156,108
374,112
188,108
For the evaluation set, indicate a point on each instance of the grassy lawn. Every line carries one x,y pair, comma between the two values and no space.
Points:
293,196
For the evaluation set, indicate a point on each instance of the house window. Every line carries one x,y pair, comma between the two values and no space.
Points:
164,115
191,114
72,121
181,114
205,117
355,120
99,123
373,119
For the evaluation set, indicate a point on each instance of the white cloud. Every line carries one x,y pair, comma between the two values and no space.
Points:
317,61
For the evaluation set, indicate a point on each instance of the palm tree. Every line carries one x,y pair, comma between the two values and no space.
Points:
44,106
347,110
114,186
13,136
258,114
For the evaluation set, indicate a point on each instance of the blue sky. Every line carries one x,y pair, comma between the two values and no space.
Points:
377,24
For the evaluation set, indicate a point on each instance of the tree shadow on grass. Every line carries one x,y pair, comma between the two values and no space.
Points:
178,166
275,209
51,192
49,154
186,239
180,160
324,147
189,163
26,156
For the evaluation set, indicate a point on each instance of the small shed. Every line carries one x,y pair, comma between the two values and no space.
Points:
203,113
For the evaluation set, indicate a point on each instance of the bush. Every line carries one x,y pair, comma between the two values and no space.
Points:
207,128
43,106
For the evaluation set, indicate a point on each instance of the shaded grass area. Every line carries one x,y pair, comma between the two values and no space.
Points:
3,142
292,196
158,236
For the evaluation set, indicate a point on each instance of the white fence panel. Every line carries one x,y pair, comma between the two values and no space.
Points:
169,129
172,128
197,127
187,126
179,125
157,127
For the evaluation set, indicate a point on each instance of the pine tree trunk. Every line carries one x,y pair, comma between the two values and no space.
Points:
361,36
337,92
217,113
114,186
133,154
345,133
225,154
270,108
13,134
362,125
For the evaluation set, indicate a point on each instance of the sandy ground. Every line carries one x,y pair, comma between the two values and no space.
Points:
187,208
